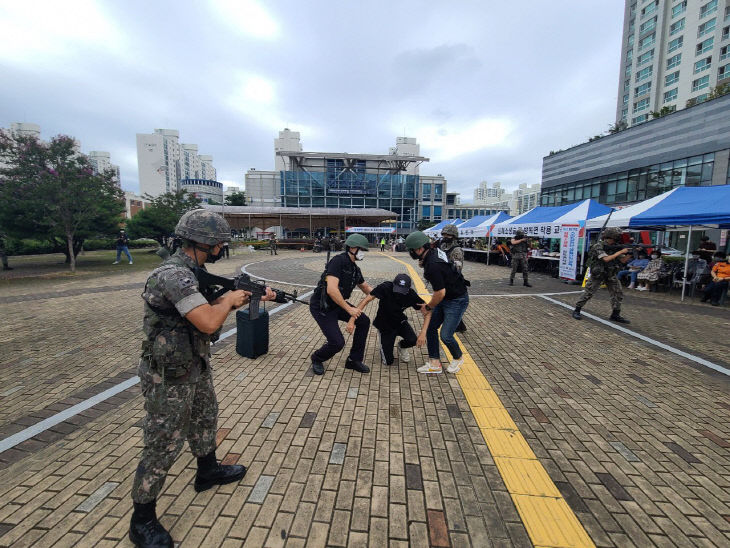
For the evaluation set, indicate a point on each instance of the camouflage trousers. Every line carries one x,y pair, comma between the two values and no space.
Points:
175,412
517,260
592,285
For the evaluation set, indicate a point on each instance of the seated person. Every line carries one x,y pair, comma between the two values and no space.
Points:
504,251
634,267
390,321
649,276
720,277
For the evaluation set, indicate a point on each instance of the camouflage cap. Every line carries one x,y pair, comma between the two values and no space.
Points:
613,233
450,230
203,226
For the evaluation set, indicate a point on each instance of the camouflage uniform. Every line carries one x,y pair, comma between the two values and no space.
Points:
519,257
602,272
454,252
175,376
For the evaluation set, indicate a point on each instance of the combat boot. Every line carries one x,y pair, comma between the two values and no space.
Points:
511,281
616,317
211,473
526,284
144,529
576,313
356,366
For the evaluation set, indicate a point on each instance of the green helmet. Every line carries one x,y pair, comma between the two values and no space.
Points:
519,234
417,240
613,233
450,230
357,240
203,226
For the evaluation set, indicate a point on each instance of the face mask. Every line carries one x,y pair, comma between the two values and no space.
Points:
654,256
360,255
413,254
447,240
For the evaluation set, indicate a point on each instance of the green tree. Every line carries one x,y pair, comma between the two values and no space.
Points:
663,111
50,191
618,126
158,220
423,224
236,199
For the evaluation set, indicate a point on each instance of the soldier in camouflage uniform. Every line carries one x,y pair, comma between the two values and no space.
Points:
3,253
604,270
450,245
176,380
518,250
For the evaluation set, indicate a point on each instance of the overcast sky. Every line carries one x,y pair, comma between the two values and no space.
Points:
488,87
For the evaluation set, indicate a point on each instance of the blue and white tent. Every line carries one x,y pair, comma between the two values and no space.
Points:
481,226
545,222
436,230
700,206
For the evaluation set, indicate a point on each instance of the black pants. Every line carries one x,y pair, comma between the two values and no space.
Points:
328,323
713,291
387,338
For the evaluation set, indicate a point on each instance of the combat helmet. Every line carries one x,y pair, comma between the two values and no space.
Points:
416,240
613,233
203,226
357,240
519,235
450,230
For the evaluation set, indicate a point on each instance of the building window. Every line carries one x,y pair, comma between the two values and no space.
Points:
705,45
670,95
627,71
626,99
629,56
639,119
624,113
642,89
679,9
647,25
641,105
644,73
707,27
707,9
674,61
437,212
703,64
724,52
426,191
674,28
675,44
670,79
701,83
725,32
723,72
647,41
651,8
645,57
426,211
630,41
727,14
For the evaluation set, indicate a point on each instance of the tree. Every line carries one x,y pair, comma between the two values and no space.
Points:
158,220
618,126
663,111
236,199
50,191
423,224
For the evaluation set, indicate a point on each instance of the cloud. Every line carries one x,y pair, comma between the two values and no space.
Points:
37,33
248,17
447,142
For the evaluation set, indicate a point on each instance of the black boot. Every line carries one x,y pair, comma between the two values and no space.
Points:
461,328
511,281
356,366
526,284
318,368
576,314
144,529
616,317
211,473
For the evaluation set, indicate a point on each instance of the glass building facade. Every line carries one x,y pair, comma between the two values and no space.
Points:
635,185
353,187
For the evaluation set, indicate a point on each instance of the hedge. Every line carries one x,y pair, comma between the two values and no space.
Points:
39,247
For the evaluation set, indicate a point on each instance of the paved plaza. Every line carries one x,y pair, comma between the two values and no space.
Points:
555,433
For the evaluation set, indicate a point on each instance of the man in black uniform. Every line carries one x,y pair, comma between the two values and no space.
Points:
449,301
390,321
329,306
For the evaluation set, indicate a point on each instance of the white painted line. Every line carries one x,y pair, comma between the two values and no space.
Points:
677,351
243,269
97,496
42,426
12,391
519,294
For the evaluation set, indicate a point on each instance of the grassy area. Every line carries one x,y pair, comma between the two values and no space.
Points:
33,268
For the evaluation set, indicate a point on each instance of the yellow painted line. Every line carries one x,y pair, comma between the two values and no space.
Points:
547,517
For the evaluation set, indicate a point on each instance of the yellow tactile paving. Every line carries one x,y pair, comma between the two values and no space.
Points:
547,517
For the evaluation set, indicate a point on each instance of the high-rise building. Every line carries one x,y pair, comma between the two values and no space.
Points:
484,194
23,128
673,53
101,161
166,165
525,198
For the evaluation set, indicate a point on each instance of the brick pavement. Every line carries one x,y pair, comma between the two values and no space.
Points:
635,439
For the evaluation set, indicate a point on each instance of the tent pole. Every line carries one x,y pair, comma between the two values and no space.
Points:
686,262
489,247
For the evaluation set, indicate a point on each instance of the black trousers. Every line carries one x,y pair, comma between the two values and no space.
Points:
329,324
713,291
387,339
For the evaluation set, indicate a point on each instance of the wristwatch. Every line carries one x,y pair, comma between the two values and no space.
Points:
428,308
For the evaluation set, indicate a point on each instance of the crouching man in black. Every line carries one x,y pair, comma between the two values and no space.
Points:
329,306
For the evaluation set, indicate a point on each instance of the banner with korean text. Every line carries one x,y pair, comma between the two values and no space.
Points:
570,234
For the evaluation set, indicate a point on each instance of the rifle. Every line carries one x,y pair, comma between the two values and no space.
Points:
611,249
210,282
